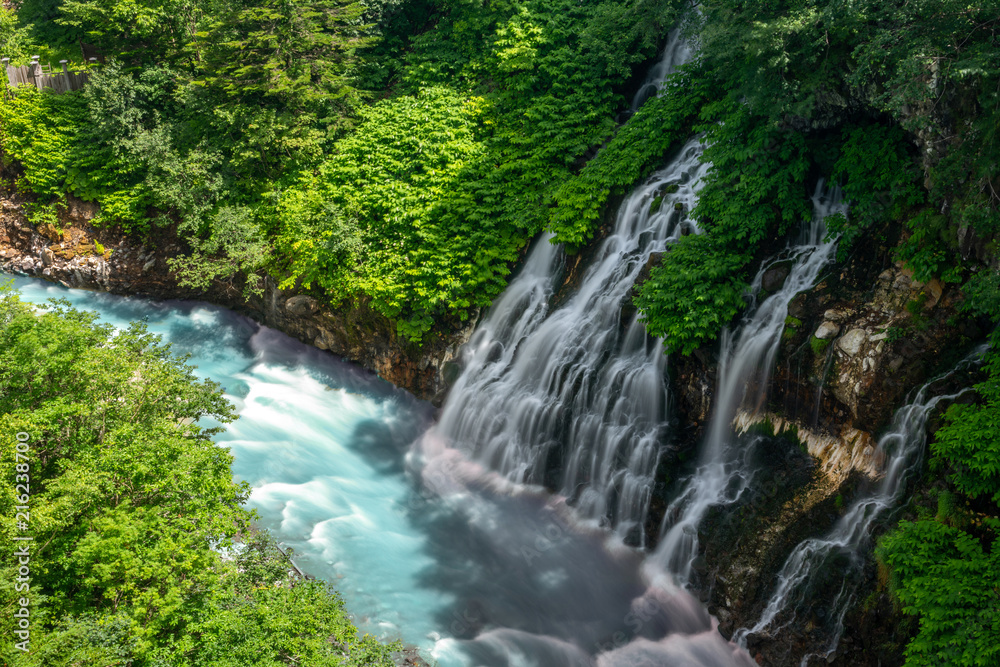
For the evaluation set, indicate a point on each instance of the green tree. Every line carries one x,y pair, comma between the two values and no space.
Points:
132,506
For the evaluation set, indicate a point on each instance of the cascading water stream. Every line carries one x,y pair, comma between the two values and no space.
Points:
677,52
746,364
577,389
577,379
902,447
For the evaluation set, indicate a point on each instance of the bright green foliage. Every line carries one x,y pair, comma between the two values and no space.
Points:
968,444
241,135
946,576
130,502
46,134
638,147
15,39
446,184
694,293
755,191
145,31
397,176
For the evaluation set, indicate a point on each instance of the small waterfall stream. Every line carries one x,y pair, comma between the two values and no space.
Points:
746,363
675,53
902,446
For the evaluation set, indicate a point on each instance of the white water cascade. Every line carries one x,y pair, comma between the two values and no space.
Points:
577,389
577,383
746,363
902,447
677,52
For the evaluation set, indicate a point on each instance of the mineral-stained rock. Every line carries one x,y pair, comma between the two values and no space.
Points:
851,342
934,289
49,231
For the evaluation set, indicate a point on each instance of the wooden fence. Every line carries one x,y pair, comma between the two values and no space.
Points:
41,76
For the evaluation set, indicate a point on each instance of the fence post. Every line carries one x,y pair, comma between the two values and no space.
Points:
35,72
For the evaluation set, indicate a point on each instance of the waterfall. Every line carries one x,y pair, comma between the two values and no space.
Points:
677,52
902,447
577,390
745,366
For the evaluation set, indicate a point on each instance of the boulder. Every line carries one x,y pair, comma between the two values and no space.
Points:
827,330
851,342
774,278
47,257
301,305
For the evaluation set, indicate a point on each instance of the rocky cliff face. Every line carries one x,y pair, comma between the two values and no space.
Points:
853,348
80,255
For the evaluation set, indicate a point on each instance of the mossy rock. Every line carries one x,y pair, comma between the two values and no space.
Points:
655,205
819,345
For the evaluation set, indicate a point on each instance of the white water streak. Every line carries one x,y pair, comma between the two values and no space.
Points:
902,447
745,366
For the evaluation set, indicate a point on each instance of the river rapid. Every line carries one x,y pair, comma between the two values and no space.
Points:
458,561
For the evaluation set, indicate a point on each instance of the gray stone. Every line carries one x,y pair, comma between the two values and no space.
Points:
47,257
827,330
834,315
148,265
301,305
774,278
320,343
851,342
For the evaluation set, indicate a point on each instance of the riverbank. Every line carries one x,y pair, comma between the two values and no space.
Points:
77,254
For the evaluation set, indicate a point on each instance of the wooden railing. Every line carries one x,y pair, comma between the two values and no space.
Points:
42,77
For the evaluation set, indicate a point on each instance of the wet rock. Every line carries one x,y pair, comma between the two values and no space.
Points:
827,330
851,342
301,305
774,278
797,307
